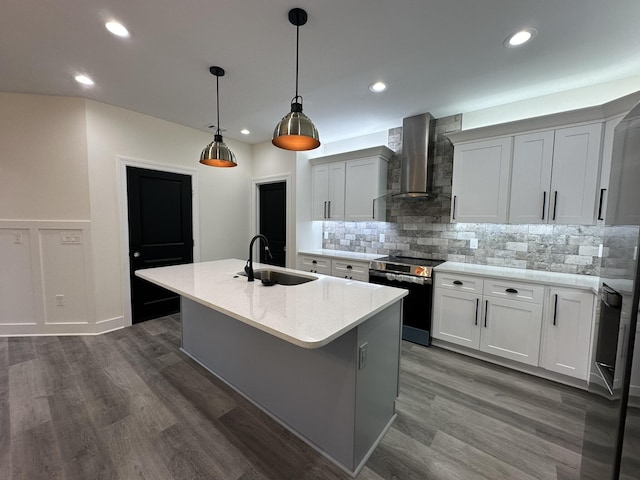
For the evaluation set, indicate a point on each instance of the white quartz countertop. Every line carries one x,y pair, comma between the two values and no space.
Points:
309,315
583,282
342,254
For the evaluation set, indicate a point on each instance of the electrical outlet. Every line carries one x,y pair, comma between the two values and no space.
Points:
17,237
70,238
381,238
600,250
60,300
362,355
473,243
326,235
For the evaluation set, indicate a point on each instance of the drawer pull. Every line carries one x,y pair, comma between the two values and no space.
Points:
511,290
314,262
486,311
349,267
477,306
457,282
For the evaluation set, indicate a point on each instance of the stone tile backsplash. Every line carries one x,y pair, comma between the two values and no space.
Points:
556,248
421,228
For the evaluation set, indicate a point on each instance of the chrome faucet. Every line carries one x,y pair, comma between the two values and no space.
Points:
248,268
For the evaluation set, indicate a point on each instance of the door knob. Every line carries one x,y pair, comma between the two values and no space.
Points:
136,254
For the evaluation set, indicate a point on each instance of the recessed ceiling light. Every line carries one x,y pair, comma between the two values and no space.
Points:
244,131
520,37
84,80
378,87
117,28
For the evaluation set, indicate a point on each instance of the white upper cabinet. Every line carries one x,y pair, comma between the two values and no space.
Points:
345,186
531,178
327,191
366,179
555,176
481,172
575,174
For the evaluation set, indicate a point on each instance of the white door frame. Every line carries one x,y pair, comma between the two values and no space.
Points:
255,208
122,164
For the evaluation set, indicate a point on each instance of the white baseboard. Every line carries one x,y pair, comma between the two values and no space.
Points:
32,330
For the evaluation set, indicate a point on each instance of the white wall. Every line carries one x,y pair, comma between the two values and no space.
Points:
71,188
114,133
553,103
270,162
43,158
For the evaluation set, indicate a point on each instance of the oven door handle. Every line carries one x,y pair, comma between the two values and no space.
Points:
400,278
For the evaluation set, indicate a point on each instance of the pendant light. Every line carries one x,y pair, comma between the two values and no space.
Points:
217,154
296,131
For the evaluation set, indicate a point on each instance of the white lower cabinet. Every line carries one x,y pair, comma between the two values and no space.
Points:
455,317
499,325
547,327
511,329
567,332
352,270
314,264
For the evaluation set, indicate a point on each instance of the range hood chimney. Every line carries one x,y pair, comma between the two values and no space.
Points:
418,149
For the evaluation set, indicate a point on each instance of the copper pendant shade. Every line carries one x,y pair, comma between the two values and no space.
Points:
296,131
217,154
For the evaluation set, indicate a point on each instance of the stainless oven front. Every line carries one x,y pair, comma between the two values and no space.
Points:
416,312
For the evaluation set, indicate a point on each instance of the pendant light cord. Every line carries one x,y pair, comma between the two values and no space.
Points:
218,104
297,57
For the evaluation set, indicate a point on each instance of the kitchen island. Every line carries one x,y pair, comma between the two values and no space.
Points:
322,358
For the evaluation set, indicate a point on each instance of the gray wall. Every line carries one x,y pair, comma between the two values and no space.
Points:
421,228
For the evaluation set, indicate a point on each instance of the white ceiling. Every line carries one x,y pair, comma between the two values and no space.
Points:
442,56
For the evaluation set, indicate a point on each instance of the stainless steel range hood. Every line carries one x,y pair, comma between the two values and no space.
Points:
418,149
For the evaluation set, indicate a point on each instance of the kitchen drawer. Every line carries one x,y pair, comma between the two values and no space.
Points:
461,283
348,269
315,264
525,292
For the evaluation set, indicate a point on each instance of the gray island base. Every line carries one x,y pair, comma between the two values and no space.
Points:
339,398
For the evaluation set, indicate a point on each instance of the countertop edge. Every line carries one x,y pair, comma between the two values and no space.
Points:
575,281
310,345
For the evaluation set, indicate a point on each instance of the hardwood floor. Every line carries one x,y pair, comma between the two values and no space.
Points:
129,405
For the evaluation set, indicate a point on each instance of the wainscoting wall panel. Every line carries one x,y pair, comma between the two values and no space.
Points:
46,279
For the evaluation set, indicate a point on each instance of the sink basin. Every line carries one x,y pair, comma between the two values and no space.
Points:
282,278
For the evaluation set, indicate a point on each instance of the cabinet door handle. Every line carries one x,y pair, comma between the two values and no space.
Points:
325,209
457,282
329,210
602,190
454,207
373,209
544,203
555,310
477,307
511,290
486,310
555,204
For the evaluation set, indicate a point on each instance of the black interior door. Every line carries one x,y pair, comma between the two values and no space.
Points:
273,221
160,234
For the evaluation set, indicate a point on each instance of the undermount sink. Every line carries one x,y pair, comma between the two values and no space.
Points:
281,278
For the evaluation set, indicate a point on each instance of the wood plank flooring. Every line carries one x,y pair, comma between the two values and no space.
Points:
129,405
